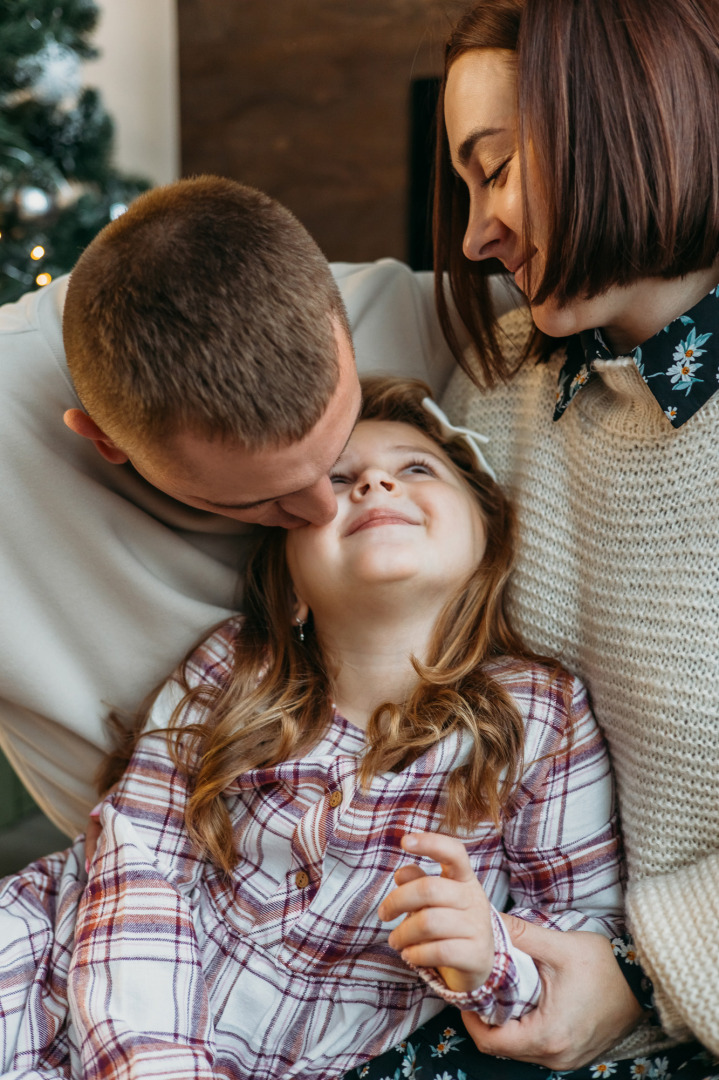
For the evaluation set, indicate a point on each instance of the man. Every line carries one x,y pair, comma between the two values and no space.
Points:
123,522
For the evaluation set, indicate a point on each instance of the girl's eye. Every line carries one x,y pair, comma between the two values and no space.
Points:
492,180
339,479
422,468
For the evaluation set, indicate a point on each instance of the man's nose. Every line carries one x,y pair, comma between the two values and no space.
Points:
317,505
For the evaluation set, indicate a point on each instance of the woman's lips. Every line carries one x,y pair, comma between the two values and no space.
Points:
519,271
372,518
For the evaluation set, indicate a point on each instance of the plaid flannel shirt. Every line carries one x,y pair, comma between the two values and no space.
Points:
171,970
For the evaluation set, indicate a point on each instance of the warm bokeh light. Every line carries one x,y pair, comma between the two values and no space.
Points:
37,252
43,279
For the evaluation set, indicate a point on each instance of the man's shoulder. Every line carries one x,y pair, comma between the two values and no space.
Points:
394,324
35,310
31,329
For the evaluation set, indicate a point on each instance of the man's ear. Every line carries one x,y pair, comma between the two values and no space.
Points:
82,424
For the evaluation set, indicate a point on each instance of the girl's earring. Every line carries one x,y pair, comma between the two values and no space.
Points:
300,627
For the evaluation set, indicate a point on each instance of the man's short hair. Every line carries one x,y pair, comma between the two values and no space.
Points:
205,307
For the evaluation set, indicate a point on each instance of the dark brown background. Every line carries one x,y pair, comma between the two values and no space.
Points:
309,100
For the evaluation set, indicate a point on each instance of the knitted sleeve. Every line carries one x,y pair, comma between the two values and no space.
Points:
675,922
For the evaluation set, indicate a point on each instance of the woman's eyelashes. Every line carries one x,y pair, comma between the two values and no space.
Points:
491,180
488,181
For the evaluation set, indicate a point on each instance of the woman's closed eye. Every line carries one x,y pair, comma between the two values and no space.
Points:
497,174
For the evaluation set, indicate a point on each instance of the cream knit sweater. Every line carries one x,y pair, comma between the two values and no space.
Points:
618,575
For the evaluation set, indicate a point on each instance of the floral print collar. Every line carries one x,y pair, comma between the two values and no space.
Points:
680,364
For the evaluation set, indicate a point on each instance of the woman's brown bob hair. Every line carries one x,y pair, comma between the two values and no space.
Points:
619,100
276,704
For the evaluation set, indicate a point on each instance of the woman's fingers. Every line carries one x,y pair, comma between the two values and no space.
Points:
579,1017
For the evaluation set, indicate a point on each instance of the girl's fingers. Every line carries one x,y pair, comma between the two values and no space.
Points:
405,874
450,953
435,924
449,852
431,891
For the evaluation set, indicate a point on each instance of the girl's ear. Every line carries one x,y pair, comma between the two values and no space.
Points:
300,610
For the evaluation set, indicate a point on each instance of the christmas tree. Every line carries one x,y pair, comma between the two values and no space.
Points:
57,183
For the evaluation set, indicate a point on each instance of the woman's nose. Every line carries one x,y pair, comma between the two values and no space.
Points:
484,233
373,480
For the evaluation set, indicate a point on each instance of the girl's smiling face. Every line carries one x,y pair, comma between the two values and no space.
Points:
404,515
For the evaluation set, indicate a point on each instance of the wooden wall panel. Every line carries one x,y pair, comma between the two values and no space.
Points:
308,100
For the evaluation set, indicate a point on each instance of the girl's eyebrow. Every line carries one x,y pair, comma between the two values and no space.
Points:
415,449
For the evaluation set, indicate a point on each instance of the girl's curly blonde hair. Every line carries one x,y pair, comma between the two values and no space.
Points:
277,702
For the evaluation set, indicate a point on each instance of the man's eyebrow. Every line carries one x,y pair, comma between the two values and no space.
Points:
467,148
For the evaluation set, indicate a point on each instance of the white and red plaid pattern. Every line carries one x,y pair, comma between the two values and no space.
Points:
171,970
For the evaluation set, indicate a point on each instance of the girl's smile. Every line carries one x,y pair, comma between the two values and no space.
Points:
371,519
404,515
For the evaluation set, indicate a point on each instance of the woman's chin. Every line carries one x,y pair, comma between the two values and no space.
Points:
555,321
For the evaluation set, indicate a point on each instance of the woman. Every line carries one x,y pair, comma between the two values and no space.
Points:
579,146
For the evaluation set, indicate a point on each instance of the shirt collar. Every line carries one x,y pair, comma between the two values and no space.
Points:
680,364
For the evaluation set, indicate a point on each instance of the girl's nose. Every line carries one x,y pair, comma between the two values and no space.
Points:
373,480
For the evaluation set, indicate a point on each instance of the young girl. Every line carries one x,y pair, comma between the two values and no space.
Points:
264,900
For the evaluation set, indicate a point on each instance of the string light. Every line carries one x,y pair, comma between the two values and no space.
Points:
43,279
37,252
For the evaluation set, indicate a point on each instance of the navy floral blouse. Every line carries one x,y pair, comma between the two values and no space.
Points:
680,364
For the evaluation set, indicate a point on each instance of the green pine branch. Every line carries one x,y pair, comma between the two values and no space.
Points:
54,147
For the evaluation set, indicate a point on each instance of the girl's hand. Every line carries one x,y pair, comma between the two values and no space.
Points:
448,924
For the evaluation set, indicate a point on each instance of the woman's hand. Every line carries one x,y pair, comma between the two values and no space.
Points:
585,1008
448,924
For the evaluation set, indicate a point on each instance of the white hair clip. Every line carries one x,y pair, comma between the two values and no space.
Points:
472,438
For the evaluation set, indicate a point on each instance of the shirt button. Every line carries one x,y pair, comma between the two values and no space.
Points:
301,879
335,798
